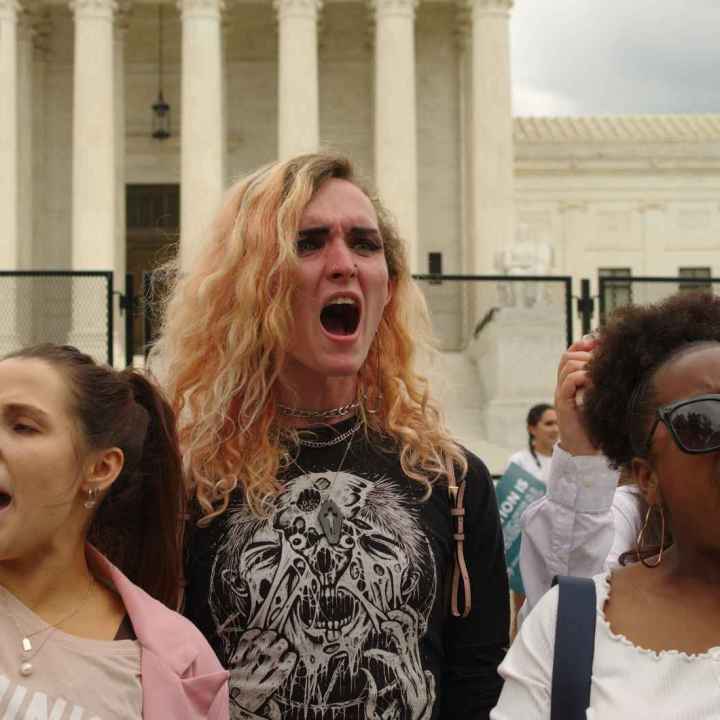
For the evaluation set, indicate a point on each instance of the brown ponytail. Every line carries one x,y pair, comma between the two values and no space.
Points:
138,524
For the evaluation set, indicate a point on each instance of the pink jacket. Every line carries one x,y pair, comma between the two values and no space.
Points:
182,678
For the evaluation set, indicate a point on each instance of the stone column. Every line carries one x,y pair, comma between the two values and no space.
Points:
9,138
202,153
93,177
492,132
42,29
25,141
93,212
298,94
9,174
654,223
575,232
120,36
395,116
463,37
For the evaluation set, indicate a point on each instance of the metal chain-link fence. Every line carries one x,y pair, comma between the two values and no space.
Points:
64,307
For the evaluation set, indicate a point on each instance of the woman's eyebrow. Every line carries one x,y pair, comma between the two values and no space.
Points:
14,409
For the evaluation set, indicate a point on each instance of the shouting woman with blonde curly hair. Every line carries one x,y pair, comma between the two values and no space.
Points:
345,558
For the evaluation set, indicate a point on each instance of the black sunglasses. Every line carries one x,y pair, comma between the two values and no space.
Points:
694,424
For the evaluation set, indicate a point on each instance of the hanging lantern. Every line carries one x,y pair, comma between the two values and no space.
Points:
161,118
160,108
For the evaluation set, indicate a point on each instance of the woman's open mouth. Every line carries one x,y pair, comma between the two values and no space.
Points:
341,316
5,500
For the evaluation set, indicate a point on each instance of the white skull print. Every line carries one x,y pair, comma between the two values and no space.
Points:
351,612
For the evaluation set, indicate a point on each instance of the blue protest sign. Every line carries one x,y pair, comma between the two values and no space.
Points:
515,490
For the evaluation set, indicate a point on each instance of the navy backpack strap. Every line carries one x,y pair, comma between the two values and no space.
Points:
574,648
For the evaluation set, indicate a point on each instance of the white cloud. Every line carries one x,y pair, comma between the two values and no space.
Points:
616,56
528,101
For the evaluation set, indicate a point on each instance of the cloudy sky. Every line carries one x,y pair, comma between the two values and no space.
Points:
595,57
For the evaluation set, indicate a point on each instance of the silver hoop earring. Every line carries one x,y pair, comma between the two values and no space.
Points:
91,501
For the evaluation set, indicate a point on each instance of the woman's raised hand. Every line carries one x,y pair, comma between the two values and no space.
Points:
572,381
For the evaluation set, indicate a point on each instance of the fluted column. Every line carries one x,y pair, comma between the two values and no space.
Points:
463,37
202,153
93,213
9,140
395,116
42,29
25,140
120,36
492,132
298,94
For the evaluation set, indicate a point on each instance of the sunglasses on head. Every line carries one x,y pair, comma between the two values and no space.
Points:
694,424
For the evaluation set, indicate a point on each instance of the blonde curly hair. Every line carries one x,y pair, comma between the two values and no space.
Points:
224,339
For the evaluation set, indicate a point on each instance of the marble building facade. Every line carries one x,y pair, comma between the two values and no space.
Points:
417,93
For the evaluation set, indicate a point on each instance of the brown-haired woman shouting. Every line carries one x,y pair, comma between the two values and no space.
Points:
90,499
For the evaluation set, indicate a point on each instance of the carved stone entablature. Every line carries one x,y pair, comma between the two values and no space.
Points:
201,8
650,205
93,8
388,8
297,8
9,9
572,205
490,7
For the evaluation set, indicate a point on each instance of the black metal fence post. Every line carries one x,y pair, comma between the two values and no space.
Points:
586,306
130,303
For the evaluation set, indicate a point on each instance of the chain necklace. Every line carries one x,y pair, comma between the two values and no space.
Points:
26,667
341,411
335,441
330,516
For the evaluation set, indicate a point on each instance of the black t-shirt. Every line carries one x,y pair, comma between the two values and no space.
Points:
315,625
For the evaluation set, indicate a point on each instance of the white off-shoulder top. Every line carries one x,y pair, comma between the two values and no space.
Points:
627,682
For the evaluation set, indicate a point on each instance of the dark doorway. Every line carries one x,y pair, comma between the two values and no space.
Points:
153,222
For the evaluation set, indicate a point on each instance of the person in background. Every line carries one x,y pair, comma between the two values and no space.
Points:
653,408
91,493
328,564
542,428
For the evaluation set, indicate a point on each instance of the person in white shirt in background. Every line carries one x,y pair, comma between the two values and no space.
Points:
584,522
542,427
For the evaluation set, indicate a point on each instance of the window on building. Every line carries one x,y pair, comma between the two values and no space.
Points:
616,293
698,279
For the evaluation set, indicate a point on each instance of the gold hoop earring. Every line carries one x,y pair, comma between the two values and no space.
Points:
640,537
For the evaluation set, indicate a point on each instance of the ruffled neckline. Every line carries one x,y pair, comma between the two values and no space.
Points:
604,588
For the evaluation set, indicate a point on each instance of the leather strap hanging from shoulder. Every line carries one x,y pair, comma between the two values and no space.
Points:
460,571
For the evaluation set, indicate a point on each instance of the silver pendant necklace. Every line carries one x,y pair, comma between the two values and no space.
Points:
330,516
28,653
334,441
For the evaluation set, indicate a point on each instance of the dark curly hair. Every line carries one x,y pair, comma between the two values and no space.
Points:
636,342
